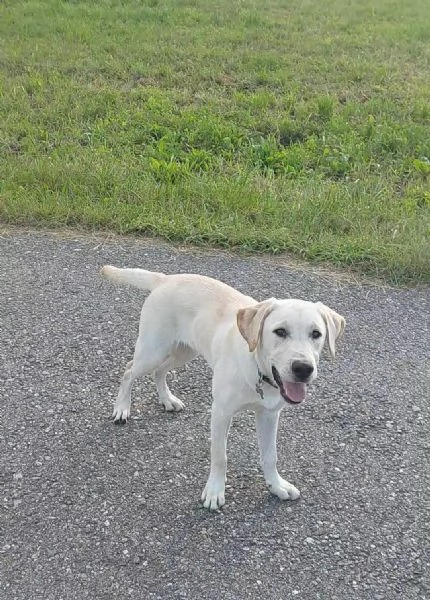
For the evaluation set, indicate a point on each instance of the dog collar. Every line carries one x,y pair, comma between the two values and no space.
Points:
259,385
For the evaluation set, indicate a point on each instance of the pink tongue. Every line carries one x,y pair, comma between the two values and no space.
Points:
295,391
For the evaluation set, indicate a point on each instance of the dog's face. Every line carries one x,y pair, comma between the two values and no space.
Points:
288,337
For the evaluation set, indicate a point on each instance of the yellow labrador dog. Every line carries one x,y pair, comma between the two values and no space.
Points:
263,356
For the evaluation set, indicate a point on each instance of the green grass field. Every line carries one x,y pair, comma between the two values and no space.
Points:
265,126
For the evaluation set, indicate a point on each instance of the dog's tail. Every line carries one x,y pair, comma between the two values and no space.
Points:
145,280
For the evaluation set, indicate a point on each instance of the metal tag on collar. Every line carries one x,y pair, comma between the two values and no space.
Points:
259,385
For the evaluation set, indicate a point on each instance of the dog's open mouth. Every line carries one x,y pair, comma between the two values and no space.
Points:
291,391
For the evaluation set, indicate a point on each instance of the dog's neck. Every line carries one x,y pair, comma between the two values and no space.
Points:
255,374
263,379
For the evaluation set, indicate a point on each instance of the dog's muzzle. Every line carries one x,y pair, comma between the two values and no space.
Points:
293,392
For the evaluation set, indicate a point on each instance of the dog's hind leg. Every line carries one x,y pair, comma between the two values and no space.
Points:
149,354
178,357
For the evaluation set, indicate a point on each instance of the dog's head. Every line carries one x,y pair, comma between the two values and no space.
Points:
288,337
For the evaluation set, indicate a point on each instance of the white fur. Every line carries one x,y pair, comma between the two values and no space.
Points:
185,315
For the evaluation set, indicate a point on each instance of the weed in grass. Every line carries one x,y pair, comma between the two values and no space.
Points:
422,166
325,107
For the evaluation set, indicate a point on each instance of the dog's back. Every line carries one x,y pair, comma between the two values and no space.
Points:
189,308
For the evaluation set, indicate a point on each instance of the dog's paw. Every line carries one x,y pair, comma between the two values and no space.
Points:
213,495
172,404
284,490
121,414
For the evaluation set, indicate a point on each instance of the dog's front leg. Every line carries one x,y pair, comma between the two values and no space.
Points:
213,494
267,427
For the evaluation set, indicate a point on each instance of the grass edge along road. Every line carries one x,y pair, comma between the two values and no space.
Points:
266,128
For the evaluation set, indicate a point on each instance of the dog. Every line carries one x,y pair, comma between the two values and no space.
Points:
263,356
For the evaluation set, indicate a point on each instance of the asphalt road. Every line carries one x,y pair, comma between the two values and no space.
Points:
93,510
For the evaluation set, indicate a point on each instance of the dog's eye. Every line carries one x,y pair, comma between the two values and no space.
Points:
281,332
316,334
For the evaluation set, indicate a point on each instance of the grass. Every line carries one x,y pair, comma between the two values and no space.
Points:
265,126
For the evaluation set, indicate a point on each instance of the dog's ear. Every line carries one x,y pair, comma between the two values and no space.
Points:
335,324
250,321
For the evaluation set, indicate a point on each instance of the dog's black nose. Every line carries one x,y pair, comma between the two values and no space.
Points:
301,370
